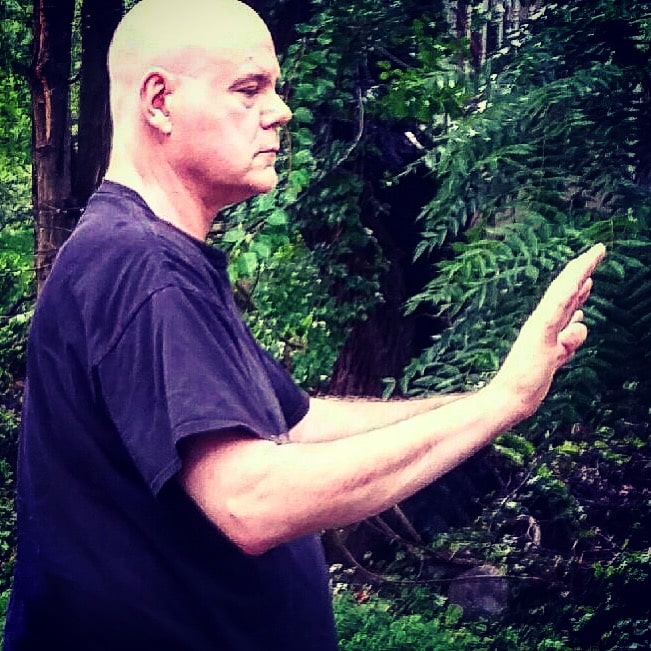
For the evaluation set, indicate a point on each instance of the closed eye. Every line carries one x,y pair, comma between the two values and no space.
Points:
249,91
253,84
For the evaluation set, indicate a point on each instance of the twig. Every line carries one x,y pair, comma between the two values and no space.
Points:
405,522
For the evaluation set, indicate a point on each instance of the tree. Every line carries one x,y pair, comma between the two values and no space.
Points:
535,150
16,257
450,155
336,204
64,169
547,159
99,18
54,214
65,172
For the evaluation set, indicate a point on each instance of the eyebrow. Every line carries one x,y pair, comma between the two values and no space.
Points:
255,70
259,77
256,77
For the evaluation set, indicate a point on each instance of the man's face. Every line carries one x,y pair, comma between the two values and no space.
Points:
225,117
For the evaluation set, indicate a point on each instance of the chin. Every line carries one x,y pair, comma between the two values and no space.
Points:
260,183
264,185
251,191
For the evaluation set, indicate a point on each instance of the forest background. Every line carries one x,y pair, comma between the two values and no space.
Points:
445,158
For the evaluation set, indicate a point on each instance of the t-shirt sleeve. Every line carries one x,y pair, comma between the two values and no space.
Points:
186,365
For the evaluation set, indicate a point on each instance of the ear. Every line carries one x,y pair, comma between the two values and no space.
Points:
155,88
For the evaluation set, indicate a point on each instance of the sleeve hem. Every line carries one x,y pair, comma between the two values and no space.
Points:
201,427
300,411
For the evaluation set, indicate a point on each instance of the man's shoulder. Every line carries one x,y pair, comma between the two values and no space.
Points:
118,257
114,221
118,239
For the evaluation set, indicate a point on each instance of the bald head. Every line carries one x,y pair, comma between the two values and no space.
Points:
178,36
195,109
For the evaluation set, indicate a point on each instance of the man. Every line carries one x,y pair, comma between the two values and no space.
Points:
172,478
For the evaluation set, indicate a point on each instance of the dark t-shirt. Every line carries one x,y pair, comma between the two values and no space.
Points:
136,344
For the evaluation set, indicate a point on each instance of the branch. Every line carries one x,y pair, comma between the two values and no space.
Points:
356,139
342,159
379,579
14,309
418,550
393,58
405,522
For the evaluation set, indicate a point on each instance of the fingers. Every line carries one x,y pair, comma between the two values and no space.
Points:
583,266
577,272
593,257
571,338
584,291
552,334
569,291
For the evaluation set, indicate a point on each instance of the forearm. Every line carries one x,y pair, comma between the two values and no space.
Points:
333,418
262,494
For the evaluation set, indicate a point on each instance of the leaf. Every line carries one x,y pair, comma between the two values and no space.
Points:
302,114
278,217
247,263
234,236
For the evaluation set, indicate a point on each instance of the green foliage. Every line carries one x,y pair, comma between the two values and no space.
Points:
15,283
305,265
429,87
549,155
15,135
16,248
375,625
543,167
294,316
16,253
14,149
427,622
15,36
617,616
548,160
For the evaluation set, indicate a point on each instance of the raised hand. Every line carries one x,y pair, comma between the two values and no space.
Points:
550,337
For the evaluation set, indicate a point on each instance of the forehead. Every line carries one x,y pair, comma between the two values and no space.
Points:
182,35
225,66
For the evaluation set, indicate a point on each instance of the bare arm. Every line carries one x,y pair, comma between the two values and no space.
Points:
332,418
261,494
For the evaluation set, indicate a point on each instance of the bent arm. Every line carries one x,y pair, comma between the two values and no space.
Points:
261,494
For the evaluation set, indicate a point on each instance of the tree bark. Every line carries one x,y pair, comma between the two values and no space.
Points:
54,216
99,18
377,348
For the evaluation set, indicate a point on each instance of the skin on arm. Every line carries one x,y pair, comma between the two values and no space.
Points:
329,419
332,418
261,494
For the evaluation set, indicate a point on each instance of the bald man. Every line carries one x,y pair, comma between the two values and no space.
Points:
172,477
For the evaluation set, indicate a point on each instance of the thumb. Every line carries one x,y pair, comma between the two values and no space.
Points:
571,338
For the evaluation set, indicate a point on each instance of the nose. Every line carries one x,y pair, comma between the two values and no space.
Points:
277,113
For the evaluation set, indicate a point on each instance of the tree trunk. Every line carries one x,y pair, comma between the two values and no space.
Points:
99,18
377,348
54,216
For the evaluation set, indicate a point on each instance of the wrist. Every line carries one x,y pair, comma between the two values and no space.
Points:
508,405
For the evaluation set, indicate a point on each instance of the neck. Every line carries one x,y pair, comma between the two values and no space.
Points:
165,193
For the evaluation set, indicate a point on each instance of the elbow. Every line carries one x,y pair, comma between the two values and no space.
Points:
255,547
251,543
247,528
234,482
